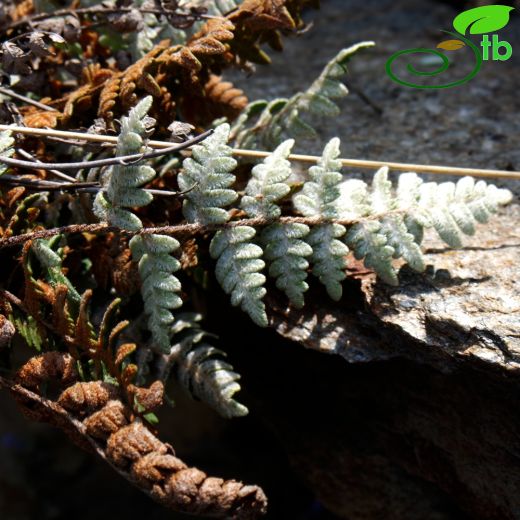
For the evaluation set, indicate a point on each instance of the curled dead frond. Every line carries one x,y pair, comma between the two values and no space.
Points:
51,366
94,414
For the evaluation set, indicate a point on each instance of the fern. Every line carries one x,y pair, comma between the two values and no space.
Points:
208,175
317,198
123,182
160,287
154,30
392,226
268,185
139,42
158,28
452,209
199,367
282,118
238,259
388,225
282,243
238,269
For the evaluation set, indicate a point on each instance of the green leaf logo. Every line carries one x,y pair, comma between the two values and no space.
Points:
482,20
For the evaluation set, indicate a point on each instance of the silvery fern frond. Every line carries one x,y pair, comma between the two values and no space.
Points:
238,260
374,240
123,182
393,226
160,287
318,198
200,368
319,194
6,148
329,257
208,172
377,241
265,124
283,245
319,98
368,242
286,252
238,269
211,379
268,184
450,208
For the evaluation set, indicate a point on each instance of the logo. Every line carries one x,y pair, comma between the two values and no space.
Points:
478,21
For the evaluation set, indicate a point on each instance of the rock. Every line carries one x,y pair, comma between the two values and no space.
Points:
423,422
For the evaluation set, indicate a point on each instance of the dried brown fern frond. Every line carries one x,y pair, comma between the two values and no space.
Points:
224,94
65,317
178,77
263,21
51,366
215,100
19,10
212,38
8,201
35,292
93,78
95,417
260,15
20,214
37,118
140,75
112,264
118,93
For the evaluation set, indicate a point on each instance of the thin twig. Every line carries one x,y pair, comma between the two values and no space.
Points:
25,99
44,185
77,142
255,154
125,160
82,187
96,11
181,229
59,174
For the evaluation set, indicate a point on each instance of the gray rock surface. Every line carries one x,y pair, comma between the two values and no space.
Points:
474,125
465,306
